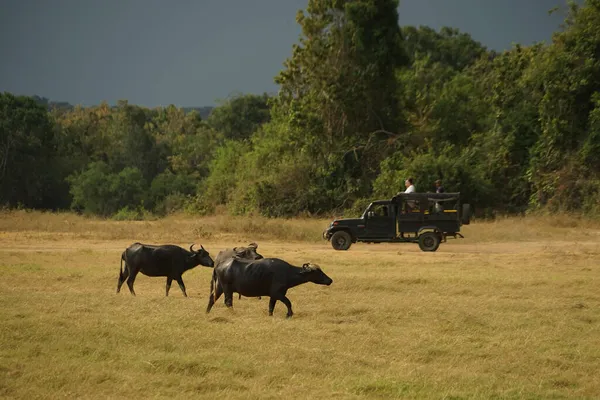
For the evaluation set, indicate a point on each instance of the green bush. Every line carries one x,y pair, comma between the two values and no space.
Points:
98,191
127,214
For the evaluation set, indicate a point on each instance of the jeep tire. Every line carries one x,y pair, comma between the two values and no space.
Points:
465,216
341,240
429,241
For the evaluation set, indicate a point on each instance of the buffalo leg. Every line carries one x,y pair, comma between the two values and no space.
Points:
169,280
130,281
272,305
181,285
228,291
122,278
214,297
281,297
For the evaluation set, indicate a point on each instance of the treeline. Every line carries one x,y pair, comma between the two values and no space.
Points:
363,104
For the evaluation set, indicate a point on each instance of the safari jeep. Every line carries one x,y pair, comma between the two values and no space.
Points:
424,218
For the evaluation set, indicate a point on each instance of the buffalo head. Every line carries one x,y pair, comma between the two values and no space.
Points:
201,256
314,274
248,253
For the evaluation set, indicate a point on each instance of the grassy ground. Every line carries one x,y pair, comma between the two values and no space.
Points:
512,311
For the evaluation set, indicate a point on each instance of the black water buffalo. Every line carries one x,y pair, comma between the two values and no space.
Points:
163,260
247,253
266,277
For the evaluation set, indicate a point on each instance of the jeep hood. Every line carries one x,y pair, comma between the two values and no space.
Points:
347,222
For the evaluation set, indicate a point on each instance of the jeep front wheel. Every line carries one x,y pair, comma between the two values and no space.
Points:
429,241
341,240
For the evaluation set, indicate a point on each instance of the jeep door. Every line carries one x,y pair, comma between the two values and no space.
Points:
380,222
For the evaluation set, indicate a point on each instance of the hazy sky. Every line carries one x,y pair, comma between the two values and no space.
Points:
194,52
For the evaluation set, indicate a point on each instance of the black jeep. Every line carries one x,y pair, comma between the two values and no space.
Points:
424,218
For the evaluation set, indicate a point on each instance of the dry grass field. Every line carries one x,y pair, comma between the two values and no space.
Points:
510,312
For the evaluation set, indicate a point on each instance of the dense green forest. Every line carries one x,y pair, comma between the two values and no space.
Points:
363,104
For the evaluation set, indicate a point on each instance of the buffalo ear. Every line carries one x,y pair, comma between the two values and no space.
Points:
306,268
253,245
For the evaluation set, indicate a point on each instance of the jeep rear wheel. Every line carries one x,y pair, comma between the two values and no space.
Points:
429,241
465,216
341,240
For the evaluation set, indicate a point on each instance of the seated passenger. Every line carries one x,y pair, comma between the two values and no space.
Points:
410,188
438,186
439,189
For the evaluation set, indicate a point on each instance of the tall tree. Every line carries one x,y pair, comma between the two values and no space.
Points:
28,151
339,92
570,71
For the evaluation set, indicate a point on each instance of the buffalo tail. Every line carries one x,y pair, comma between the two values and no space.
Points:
213,286
121,269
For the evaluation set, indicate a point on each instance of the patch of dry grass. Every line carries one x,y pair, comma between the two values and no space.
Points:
184,228
566,227
60,226
490,316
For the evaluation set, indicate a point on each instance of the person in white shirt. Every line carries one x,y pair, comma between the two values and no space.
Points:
410,188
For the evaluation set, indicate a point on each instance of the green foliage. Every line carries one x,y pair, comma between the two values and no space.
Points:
90,189
223,178
570,70
286,190
337,105
98,191
170,148
167,183
239,117
448,47
127,214
29,169
590,149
